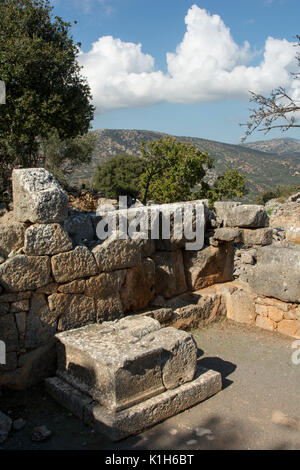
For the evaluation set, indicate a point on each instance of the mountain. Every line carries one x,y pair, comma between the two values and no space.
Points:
263,169
286,146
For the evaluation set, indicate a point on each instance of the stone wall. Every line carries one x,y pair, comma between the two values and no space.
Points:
56,275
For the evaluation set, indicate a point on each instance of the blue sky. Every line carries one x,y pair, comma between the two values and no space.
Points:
184,67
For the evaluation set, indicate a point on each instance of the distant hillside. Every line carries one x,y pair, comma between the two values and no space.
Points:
285,146
263,170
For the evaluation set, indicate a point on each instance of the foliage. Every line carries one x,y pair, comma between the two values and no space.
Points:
171,170
119,176
230,185
279,106
44,87
60,155
281,191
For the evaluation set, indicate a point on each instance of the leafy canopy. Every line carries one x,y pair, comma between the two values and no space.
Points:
44,87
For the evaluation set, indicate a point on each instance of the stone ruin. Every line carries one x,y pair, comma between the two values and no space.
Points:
124,376
56,276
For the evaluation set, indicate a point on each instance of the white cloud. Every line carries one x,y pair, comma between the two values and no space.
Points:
207,66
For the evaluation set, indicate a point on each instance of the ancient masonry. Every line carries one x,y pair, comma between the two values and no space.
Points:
57,276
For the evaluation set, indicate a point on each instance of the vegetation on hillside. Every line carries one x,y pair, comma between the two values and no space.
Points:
281,192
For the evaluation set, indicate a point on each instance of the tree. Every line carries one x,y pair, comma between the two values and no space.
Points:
279,106
44,87
230,185
119,176
63,155
171,170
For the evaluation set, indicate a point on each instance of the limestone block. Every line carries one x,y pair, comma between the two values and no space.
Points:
74,264
11,237
115,254
139,286
260,236
46,239
22,273
169,273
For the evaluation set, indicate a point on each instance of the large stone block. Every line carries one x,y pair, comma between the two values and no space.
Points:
105,284
209,266
261,236
240,307
115,254
112,363
46,239
169,273
277,273
38,198
73,310
139,286
73,265
241,215
11,237
22,273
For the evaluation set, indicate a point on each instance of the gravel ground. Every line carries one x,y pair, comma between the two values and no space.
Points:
258,408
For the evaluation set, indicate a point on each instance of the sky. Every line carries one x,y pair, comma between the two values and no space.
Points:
184,67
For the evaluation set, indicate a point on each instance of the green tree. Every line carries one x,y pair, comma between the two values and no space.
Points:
119,176
44,86
171,170
63,155
230,185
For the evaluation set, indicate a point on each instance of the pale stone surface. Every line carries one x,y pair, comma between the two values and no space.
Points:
115,254
80,227
74,264
139,286
112,362
141,416
23,273
46,239
104,284
73,310
277,273
222,208
274,313
260,236
228,234
265,323
245,215
241,307
209,266
38,198
289,327
11,237
169,273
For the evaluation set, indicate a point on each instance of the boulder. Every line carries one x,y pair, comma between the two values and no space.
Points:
209,266
38,197
22,273
139,286
11,237
74,264
241,215
227,234
169,273
277,273
46,239
115,254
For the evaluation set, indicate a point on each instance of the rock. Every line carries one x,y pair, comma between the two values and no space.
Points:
105,284
40,324
209,307
240,307
179,356
80,227
139,286
38,198
289,328
23,273
19,424
274,313
162,315
228,234
241,215
11,237
222,208
73,265
209,266
74,287
5,427
114,363
265,323
9,333
247,258
46,239
169,273
109,308
40,434
15,296
115,254
277,273
73,310
261,236
19,306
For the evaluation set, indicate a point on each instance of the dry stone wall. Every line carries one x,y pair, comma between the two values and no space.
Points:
55,275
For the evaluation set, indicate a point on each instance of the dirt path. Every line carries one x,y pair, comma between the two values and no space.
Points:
259,381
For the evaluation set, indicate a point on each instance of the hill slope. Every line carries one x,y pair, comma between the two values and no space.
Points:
285,146
263,170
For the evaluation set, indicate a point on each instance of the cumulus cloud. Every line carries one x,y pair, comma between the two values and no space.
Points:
208,65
